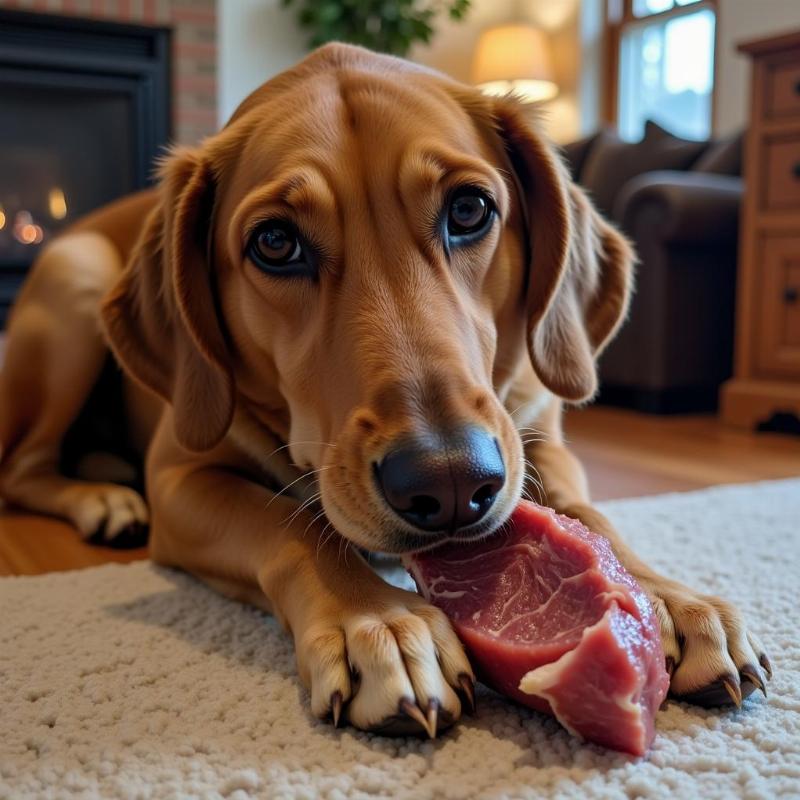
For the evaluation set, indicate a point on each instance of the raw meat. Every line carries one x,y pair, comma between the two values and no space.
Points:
550,618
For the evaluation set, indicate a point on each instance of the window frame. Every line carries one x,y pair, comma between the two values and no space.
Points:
619,17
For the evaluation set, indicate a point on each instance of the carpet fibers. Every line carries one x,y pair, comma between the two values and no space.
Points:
138,682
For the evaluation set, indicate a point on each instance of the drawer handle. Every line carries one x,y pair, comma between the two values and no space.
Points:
796,170
797,87
791,294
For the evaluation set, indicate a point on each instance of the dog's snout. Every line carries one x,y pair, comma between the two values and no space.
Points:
446,482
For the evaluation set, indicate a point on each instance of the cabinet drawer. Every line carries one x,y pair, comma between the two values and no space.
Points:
783,90
778,332
781,173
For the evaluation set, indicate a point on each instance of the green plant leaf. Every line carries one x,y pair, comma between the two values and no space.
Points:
390,26
329,13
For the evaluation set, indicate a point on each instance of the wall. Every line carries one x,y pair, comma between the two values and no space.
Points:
740,20
259,38
194,53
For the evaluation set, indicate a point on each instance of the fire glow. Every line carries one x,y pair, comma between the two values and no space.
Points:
25,230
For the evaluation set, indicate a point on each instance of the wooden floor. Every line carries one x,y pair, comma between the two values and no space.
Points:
626,455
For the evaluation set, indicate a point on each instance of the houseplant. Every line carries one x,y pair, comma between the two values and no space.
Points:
388,26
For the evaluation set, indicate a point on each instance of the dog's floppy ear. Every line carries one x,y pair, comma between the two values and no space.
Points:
161,318
580,269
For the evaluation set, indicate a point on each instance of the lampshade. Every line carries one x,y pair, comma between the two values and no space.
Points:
514,58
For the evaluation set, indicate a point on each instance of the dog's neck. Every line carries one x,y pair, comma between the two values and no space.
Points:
267,449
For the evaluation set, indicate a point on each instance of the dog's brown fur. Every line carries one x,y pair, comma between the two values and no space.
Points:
261,402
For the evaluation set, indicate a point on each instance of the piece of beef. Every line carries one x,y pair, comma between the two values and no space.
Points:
550,618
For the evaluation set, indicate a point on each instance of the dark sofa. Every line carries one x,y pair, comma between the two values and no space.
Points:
679,202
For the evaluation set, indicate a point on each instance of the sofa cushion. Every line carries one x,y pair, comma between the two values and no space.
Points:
723,157
612,162
576,153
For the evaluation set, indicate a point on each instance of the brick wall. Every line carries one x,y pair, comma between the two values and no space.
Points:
194,54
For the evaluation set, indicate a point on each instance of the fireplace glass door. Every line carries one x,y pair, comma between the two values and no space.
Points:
84,113
62,154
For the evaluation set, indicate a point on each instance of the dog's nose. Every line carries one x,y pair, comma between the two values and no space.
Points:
443,482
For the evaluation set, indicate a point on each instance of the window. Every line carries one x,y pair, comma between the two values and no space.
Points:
662,66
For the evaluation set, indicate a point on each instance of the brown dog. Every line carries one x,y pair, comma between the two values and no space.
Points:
351,317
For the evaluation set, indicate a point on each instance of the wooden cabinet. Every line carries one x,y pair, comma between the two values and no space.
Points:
781,175
778,351
767,371
783,96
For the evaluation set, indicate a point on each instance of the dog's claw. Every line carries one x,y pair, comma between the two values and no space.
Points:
411,709
725,690
751,673
131,536
734,690
336,707
468,688
432,718
764,661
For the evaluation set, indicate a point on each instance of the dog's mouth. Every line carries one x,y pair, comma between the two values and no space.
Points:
403,541
421,542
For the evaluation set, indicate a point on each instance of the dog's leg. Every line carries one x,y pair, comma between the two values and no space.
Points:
373,654
54,355
711,656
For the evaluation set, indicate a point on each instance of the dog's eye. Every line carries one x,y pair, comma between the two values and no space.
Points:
275,246
469,216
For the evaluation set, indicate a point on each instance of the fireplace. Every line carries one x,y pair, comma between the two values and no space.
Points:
84,111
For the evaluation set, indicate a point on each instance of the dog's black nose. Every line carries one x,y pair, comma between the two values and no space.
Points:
443,482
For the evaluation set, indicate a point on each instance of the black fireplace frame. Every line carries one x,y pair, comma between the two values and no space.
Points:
48,50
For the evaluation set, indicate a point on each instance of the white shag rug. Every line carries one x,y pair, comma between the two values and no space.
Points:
138,682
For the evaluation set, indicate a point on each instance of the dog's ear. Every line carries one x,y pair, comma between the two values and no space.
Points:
161,318
580,270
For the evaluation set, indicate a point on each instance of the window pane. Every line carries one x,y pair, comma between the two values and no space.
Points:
643,8
667,75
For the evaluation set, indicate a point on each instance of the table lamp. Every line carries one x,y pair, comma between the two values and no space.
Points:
514,58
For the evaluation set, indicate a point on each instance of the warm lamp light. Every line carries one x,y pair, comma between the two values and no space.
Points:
514,58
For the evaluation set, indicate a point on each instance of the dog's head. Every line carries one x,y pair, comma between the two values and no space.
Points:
361,258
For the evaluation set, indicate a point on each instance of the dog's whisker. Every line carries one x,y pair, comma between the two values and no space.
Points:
528,463
289,520
285,488
533,476
346,547
319,540
537,482
305,476
521,405
529,434
305,504
314,519
532,429
531,437
284,446
527,492
323,539
342,550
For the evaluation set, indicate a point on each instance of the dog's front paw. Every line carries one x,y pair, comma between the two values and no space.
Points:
107,514
394,666
712,658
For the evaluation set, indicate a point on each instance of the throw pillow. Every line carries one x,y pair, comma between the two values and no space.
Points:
612,162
